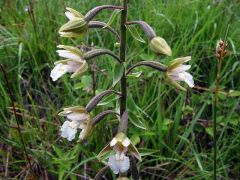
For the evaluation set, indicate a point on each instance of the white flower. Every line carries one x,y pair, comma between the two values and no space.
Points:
119,165
78,118
73,64
177,72
120,144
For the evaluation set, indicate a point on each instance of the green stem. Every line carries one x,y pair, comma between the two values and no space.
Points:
123,41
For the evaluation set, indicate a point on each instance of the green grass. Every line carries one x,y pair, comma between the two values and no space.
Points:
174,127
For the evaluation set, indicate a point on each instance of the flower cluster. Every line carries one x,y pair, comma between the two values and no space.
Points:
75,61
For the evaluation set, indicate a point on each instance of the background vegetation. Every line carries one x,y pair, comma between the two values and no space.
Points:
172,129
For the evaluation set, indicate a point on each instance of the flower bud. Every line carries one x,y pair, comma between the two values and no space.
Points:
160,46
74,28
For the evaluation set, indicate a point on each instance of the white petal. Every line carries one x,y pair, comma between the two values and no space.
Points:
67,131
180,69
119,165
58,71
188,78
113,142
82,134
126,142
77,116
69,55
69,15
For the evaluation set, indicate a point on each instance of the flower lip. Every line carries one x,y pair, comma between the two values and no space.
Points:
119,166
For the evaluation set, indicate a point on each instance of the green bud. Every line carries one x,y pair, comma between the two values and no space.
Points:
160,46
117,45
74,28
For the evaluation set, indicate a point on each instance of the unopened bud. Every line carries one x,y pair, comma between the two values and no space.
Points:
74,28
160,46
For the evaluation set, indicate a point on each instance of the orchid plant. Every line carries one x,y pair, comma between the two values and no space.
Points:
77,61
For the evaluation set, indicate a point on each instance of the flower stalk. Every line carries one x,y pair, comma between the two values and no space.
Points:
221,52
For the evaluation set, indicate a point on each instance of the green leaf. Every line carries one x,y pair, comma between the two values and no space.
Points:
135,139
117,73
233,93
84,84
209,130
133,31
113,17
135,74
107,100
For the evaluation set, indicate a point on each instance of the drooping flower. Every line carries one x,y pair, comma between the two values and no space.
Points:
120,144
160,46
77,118
177,72
76,26
73,64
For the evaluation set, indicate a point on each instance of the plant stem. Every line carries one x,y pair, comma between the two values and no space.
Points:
219,67
123,41
16,117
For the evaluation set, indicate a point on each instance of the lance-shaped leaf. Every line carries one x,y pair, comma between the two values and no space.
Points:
133,31
152,64
146,28
117,73
103,25
98,52
102,115
93,12
96,99
113,17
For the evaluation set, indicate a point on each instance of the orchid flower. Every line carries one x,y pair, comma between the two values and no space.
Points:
73,64
177,72
78,118
120,145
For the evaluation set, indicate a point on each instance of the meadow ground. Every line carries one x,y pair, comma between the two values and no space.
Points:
172,129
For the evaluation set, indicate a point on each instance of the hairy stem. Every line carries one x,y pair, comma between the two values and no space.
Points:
16,117
123,41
